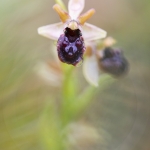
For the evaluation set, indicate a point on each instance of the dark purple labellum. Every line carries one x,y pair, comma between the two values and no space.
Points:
113,62
70,46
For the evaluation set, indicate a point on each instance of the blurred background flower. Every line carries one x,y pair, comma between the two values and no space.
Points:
120,114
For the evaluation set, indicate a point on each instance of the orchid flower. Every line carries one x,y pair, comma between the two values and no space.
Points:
72,31
103,58
70,34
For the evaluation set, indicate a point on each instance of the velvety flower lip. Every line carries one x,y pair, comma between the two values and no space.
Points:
75,7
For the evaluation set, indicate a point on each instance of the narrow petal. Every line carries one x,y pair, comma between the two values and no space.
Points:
91,32
91,70
52,31
64,16
84,17
75,7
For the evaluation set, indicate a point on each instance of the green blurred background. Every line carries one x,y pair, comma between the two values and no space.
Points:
121,113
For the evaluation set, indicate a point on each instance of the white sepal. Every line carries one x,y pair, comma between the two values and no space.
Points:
91,70
52,31
75,7
91,32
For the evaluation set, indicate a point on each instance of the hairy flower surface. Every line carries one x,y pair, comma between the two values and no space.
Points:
72,31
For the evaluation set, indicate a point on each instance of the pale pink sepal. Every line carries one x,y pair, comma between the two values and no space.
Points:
75,7
91,32
91,70
52,31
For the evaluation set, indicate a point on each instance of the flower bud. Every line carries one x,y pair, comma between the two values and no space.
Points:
113,62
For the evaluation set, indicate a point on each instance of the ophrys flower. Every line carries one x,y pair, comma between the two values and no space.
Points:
102,57
72,31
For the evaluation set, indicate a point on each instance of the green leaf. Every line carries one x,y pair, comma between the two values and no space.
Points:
50,129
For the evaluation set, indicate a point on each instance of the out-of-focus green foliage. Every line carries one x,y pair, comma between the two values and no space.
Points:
120,113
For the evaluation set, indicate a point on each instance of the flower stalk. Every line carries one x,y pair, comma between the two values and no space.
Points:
87,96
68,93
61,4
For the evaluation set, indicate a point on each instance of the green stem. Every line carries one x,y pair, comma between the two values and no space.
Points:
83,101
68,94
61,3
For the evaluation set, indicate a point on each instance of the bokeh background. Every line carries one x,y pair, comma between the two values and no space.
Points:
120,114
